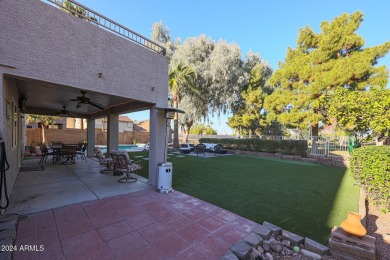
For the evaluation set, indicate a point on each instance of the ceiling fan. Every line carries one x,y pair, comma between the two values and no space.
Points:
65,113
86,100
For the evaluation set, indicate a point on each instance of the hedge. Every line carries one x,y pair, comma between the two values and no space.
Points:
371,168
294,147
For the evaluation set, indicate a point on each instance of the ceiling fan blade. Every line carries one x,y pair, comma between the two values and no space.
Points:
101,107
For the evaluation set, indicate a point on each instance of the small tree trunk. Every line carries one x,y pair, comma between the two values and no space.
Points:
314,139
43,133
175,126
314,130
187,130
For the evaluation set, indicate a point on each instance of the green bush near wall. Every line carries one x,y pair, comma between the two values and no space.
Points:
294,147
371,168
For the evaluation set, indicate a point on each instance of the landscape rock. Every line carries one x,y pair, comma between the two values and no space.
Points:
254,255
268,256
276,247
260,249
288,251
274,229
266,245
286,243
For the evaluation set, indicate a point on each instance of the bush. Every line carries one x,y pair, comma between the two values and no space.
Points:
371,168
294,147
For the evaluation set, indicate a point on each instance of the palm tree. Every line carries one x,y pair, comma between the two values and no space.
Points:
180,78
44,120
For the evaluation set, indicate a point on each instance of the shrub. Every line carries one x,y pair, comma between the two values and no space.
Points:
371,168
294,147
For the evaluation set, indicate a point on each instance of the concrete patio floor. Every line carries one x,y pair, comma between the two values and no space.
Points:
140,225
61,185
74,212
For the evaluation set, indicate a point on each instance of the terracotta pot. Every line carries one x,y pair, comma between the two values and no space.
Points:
353,225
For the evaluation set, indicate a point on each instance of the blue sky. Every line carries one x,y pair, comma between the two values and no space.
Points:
267,27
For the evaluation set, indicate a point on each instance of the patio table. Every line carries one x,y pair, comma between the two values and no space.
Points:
67,152
56,152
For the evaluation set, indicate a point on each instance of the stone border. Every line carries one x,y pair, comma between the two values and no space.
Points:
337,161
269,240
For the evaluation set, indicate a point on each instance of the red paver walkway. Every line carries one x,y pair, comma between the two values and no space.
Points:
141,225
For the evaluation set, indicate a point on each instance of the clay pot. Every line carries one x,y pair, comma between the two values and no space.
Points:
353,225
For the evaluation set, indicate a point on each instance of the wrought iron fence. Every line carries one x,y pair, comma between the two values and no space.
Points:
83,12
317,145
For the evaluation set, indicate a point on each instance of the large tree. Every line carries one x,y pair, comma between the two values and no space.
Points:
219,77
162,36
181,79
249,116
320,65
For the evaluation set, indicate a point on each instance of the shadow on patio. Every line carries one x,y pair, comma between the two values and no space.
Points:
61,185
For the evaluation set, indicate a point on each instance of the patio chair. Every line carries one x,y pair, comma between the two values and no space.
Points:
45,152
81,152
123,164
199,149
103,161
218,149
69,153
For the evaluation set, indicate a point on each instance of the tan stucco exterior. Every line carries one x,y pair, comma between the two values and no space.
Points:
42,43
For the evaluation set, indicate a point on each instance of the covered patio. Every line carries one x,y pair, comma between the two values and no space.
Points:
55,185
54,63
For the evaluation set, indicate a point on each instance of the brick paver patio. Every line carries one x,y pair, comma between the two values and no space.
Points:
141,225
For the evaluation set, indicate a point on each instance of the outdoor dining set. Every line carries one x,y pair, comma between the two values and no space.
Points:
63,153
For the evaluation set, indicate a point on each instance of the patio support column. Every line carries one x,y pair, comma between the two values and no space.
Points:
90,136
112,132
157,146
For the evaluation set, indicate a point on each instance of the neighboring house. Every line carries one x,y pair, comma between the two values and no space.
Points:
50,59
142,126
76,123
125,124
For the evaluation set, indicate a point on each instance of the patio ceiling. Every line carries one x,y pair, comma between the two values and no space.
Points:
46,98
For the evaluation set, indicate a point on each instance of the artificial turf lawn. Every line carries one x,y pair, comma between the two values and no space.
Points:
307,199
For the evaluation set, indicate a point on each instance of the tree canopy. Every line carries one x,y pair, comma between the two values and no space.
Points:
219,77
201,129
319,66
357,111
249,116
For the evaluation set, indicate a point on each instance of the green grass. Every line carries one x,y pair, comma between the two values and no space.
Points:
304,198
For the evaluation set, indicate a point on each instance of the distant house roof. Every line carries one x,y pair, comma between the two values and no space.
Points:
142,126
125,119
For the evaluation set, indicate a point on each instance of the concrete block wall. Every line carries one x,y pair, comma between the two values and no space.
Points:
77,135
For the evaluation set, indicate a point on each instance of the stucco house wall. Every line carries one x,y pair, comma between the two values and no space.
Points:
41,42
45,43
